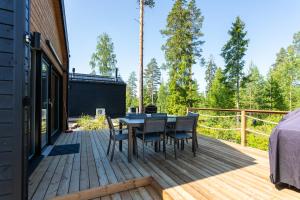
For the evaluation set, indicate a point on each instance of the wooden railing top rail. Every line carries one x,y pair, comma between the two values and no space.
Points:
240,110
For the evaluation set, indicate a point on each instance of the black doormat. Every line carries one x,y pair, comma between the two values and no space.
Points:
64,149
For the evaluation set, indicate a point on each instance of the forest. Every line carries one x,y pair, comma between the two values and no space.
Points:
233,85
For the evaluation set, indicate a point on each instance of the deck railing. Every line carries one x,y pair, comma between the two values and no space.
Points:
241,116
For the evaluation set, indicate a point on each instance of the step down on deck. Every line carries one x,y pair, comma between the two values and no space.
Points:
116,188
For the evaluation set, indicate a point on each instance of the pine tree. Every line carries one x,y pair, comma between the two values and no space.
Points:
273,96
251,88
296,43
182,48
152,76
219,94
210,71
104,59
131,90
233,52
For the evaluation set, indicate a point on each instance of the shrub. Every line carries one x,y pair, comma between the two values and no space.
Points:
253,140
87,122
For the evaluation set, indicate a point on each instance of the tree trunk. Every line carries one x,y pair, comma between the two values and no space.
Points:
238,100
141,67
152,97
238,94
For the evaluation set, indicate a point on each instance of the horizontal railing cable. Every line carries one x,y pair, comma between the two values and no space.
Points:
257,132
266,121
220,129
219,116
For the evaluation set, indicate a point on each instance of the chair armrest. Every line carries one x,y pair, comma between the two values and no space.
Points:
123,129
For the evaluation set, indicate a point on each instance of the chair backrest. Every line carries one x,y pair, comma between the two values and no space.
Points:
192,114
136,115
196,115
110,125
185,124
160,115
155,125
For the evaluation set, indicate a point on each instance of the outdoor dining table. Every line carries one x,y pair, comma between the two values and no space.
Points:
135,123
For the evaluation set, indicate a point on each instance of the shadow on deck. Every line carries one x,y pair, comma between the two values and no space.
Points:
220,170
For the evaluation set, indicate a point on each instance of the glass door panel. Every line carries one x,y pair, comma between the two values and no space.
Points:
44,103
55,105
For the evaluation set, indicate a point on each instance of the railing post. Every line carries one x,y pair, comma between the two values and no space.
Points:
243,128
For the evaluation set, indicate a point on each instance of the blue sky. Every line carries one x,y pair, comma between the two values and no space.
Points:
270,25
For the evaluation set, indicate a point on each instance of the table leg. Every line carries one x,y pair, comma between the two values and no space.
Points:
156,146
120,132
130,143
134,150
194,144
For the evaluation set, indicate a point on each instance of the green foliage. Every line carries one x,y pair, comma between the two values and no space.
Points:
152,76
251,91
219,95
223,123
162,97
253,140
257,141
87,122
131,91
182,48
272,96
233,52
210,71
286,71
104,59
296,43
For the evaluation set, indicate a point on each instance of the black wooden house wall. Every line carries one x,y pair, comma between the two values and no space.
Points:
13,65
86,96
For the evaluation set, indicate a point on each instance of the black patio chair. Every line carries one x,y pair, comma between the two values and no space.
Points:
196,115
184,129
161,115
113,137
152,130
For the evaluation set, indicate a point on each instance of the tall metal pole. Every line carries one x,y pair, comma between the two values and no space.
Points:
141,67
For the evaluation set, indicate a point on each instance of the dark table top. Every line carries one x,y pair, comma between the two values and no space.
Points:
125,120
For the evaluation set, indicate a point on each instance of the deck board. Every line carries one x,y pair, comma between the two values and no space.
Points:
220,170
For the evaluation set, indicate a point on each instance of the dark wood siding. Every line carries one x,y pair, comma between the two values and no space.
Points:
51,27
12,51
86,96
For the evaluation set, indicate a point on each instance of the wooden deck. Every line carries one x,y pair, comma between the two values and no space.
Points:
221,170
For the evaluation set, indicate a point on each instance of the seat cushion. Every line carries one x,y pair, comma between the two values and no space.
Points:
138,131
149,136
180,135
170,130
121,136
